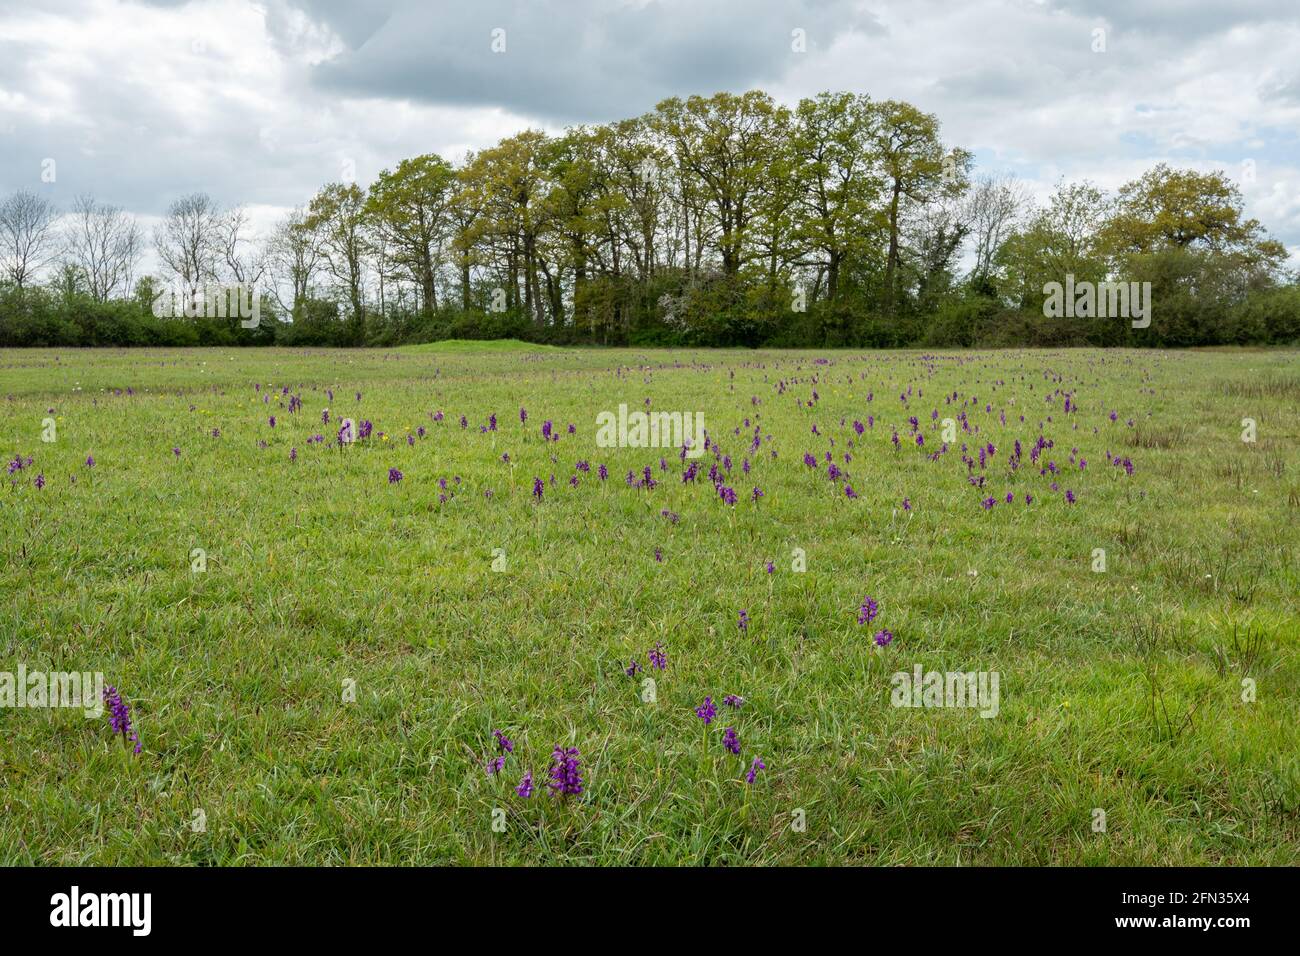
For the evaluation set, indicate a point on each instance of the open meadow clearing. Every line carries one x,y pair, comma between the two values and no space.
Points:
321,581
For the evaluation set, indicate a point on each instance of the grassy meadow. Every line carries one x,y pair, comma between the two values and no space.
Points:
316,652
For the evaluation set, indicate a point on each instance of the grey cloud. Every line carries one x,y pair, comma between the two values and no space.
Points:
1182,19
579,61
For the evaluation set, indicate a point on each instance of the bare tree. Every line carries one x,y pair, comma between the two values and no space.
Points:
28,240
103,243
991,212
294,258
188,242
245,261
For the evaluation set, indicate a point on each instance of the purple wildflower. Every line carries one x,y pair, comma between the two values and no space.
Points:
867,613
706,711
525,788
119,718
566,772
754,768
731,741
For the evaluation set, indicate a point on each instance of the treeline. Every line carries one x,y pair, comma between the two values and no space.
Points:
722,220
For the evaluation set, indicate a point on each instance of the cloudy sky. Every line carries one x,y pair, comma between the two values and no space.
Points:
261,103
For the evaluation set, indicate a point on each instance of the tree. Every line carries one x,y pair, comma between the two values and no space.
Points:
916,170
410,208
103,243
245,259
832,143
723,144
337,214
293,258
1185,233
1062,239
28,241
188,244
992,211
1182,209
506,185
464,213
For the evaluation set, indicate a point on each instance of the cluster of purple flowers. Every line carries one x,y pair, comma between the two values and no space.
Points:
119,718
566,772
730,741
867,613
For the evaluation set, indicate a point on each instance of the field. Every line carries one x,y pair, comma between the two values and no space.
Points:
317,640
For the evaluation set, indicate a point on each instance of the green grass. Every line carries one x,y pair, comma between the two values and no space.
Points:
1119,690
477,345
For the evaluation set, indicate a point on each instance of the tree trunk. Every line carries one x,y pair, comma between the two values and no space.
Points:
891,261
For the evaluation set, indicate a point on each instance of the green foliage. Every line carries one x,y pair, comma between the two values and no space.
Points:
714,220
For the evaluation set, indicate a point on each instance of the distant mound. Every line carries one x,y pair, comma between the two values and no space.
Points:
479,345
